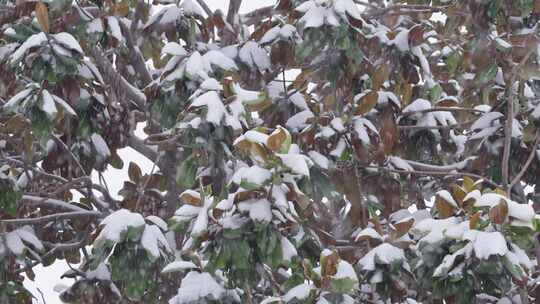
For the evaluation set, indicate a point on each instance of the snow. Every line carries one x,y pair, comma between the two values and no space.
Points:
448,260
117,223
368,232
64,105
173,48
69,42
13,101
522,212
178,266
152,239
211,84
288,249
382,254
101,273
196,67
489,200
345,271
48,105
521,256
14,243
299,292
186,212
432,230
201,223
254,56
95,26
416,106
218,59
314,16
259,209
196,286
347,7
486,120
399,163
445,195
361,126
270,35
298,120
156,220
216,109
337,124
319,159
254,175
32,41
99,143
114,27
256,137
486,244
14,240
190,8
296,162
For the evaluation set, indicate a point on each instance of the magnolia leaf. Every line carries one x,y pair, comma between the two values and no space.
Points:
191,197
499,213
134,172
381,75
474,220
401,228
279,140
42,15
367,102
329,262
445,209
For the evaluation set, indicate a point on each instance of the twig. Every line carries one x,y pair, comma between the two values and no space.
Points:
518,177
52,217
440,109
205,7
510,121
51,202
433,173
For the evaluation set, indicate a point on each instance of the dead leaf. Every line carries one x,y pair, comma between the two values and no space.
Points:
191,198
474,219
367,102
499,213
445,209
380,76
42,15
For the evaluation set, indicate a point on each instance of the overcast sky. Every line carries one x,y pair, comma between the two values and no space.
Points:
48,277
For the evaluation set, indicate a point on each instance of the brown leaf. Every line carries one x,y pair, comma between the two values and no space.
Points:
42,15
416,35
499,213
401,229
445,209
468,184
389,132
191,198
134,172
367,102
329,264
474,219
459,194
276,139
380,76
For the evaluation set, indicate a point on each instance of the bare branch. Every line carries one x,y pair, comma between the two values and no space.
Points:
518,177
52,217
205,7
116,81
510,120
51,202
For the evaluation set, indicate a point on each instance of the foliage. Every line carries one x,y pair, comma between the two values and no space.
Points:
312,151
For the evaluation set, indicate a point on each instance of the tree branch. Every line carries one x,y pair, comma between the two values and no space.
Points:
518,177
205,7
116,81
510,120
52,217
52,203
135,56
